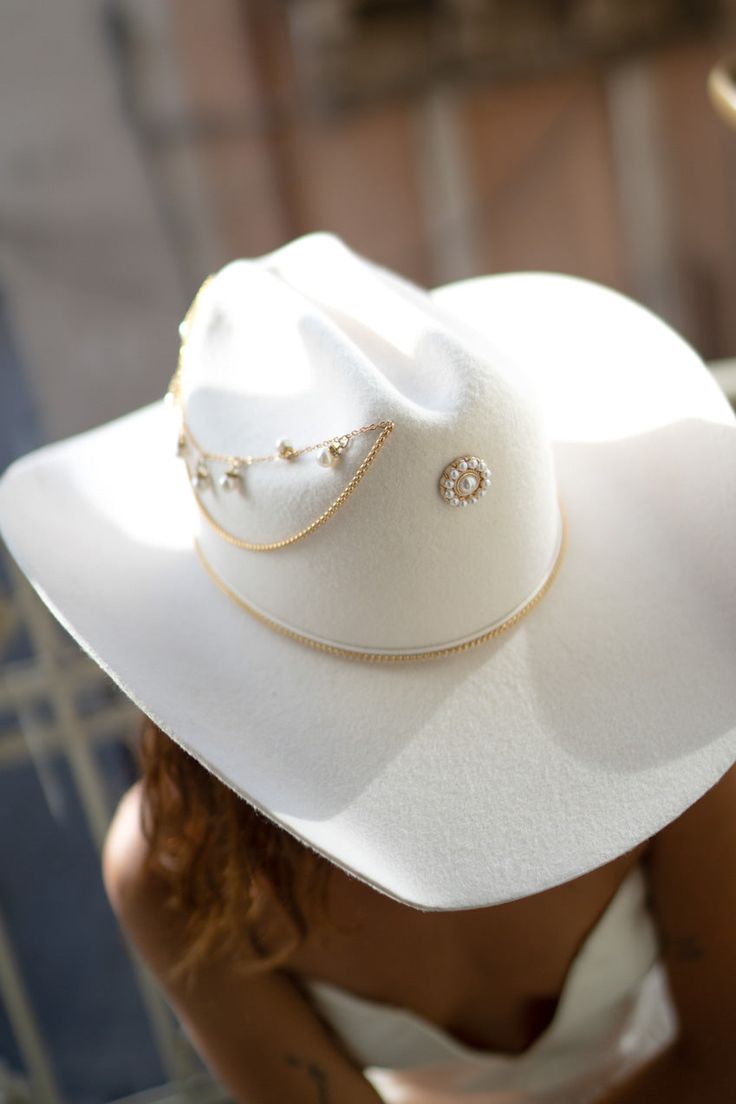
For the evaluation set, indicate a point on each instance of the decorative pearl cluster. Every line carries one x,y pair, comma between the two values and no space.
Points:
465,480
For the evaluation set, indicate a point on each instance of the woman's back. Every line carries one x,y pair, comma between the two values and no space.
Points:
489,977
510,1029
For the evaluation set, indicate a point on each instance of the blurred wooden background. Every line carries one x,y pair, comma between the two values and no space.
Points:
595,153
146,142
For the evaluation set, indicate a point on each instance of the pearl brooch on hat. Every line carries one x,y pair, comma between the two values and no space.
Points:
465,481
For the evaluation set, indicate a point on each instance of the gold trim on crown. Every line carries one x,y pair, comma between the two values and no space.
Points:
387,656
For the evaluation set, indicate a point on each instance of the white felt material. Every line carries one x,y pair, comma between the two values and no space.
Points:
482,777
311,343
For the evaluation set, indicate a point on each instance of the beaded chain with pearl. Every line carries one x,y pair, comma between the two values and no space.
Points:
202,464
465,481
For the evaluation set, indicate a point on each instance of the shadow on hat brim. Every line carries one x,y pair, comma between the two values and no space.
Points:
486,776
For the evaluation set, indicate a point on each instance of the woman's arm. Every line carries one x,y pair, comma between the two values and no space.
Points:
258,1034
692,877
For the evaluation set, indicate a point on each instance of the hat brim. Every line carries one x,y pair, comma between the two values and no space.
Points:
486,776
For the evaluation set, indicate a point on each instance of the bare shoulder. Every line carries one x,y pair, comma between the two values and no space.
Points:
691,869
124,869
256,1031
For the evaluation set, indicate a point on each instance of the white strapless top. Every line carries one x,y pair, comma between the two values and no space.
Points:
613,1014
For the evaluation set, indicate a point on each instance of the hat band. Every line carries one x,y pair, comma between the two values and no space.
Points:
380,655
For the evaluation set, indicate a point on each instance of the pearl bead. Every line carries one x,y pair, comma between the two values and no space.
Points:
467,484
454,473
326,458
463,466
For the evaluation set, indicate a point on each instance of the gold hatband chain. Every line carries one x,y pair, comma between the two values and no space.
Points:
441,652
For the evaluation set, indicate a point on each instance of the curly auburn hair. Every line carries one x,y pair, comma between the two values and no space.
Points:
225,864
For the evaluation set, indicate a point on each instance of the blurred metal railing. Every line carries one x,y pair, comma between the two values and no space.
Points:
55,675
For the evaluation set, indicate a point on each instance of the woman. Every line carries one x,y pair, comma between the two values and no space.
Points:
211,886
439,776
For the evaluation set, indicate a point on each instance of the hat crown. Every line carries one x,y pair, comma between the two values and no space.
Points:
313,344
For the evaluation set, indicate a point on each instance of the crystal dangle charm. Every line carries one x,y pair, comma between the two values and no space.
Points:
230,479
201,475
285,449
332,452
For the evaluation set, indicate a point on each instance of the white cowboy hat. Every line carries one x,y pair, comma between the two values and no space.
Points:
469,632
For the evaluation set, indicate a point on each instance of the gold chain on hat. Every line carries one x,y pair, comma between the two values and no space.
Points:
199,460
441,652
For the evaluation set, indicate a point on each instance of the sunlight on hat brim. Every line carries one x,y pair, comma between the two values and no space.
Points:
604,367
